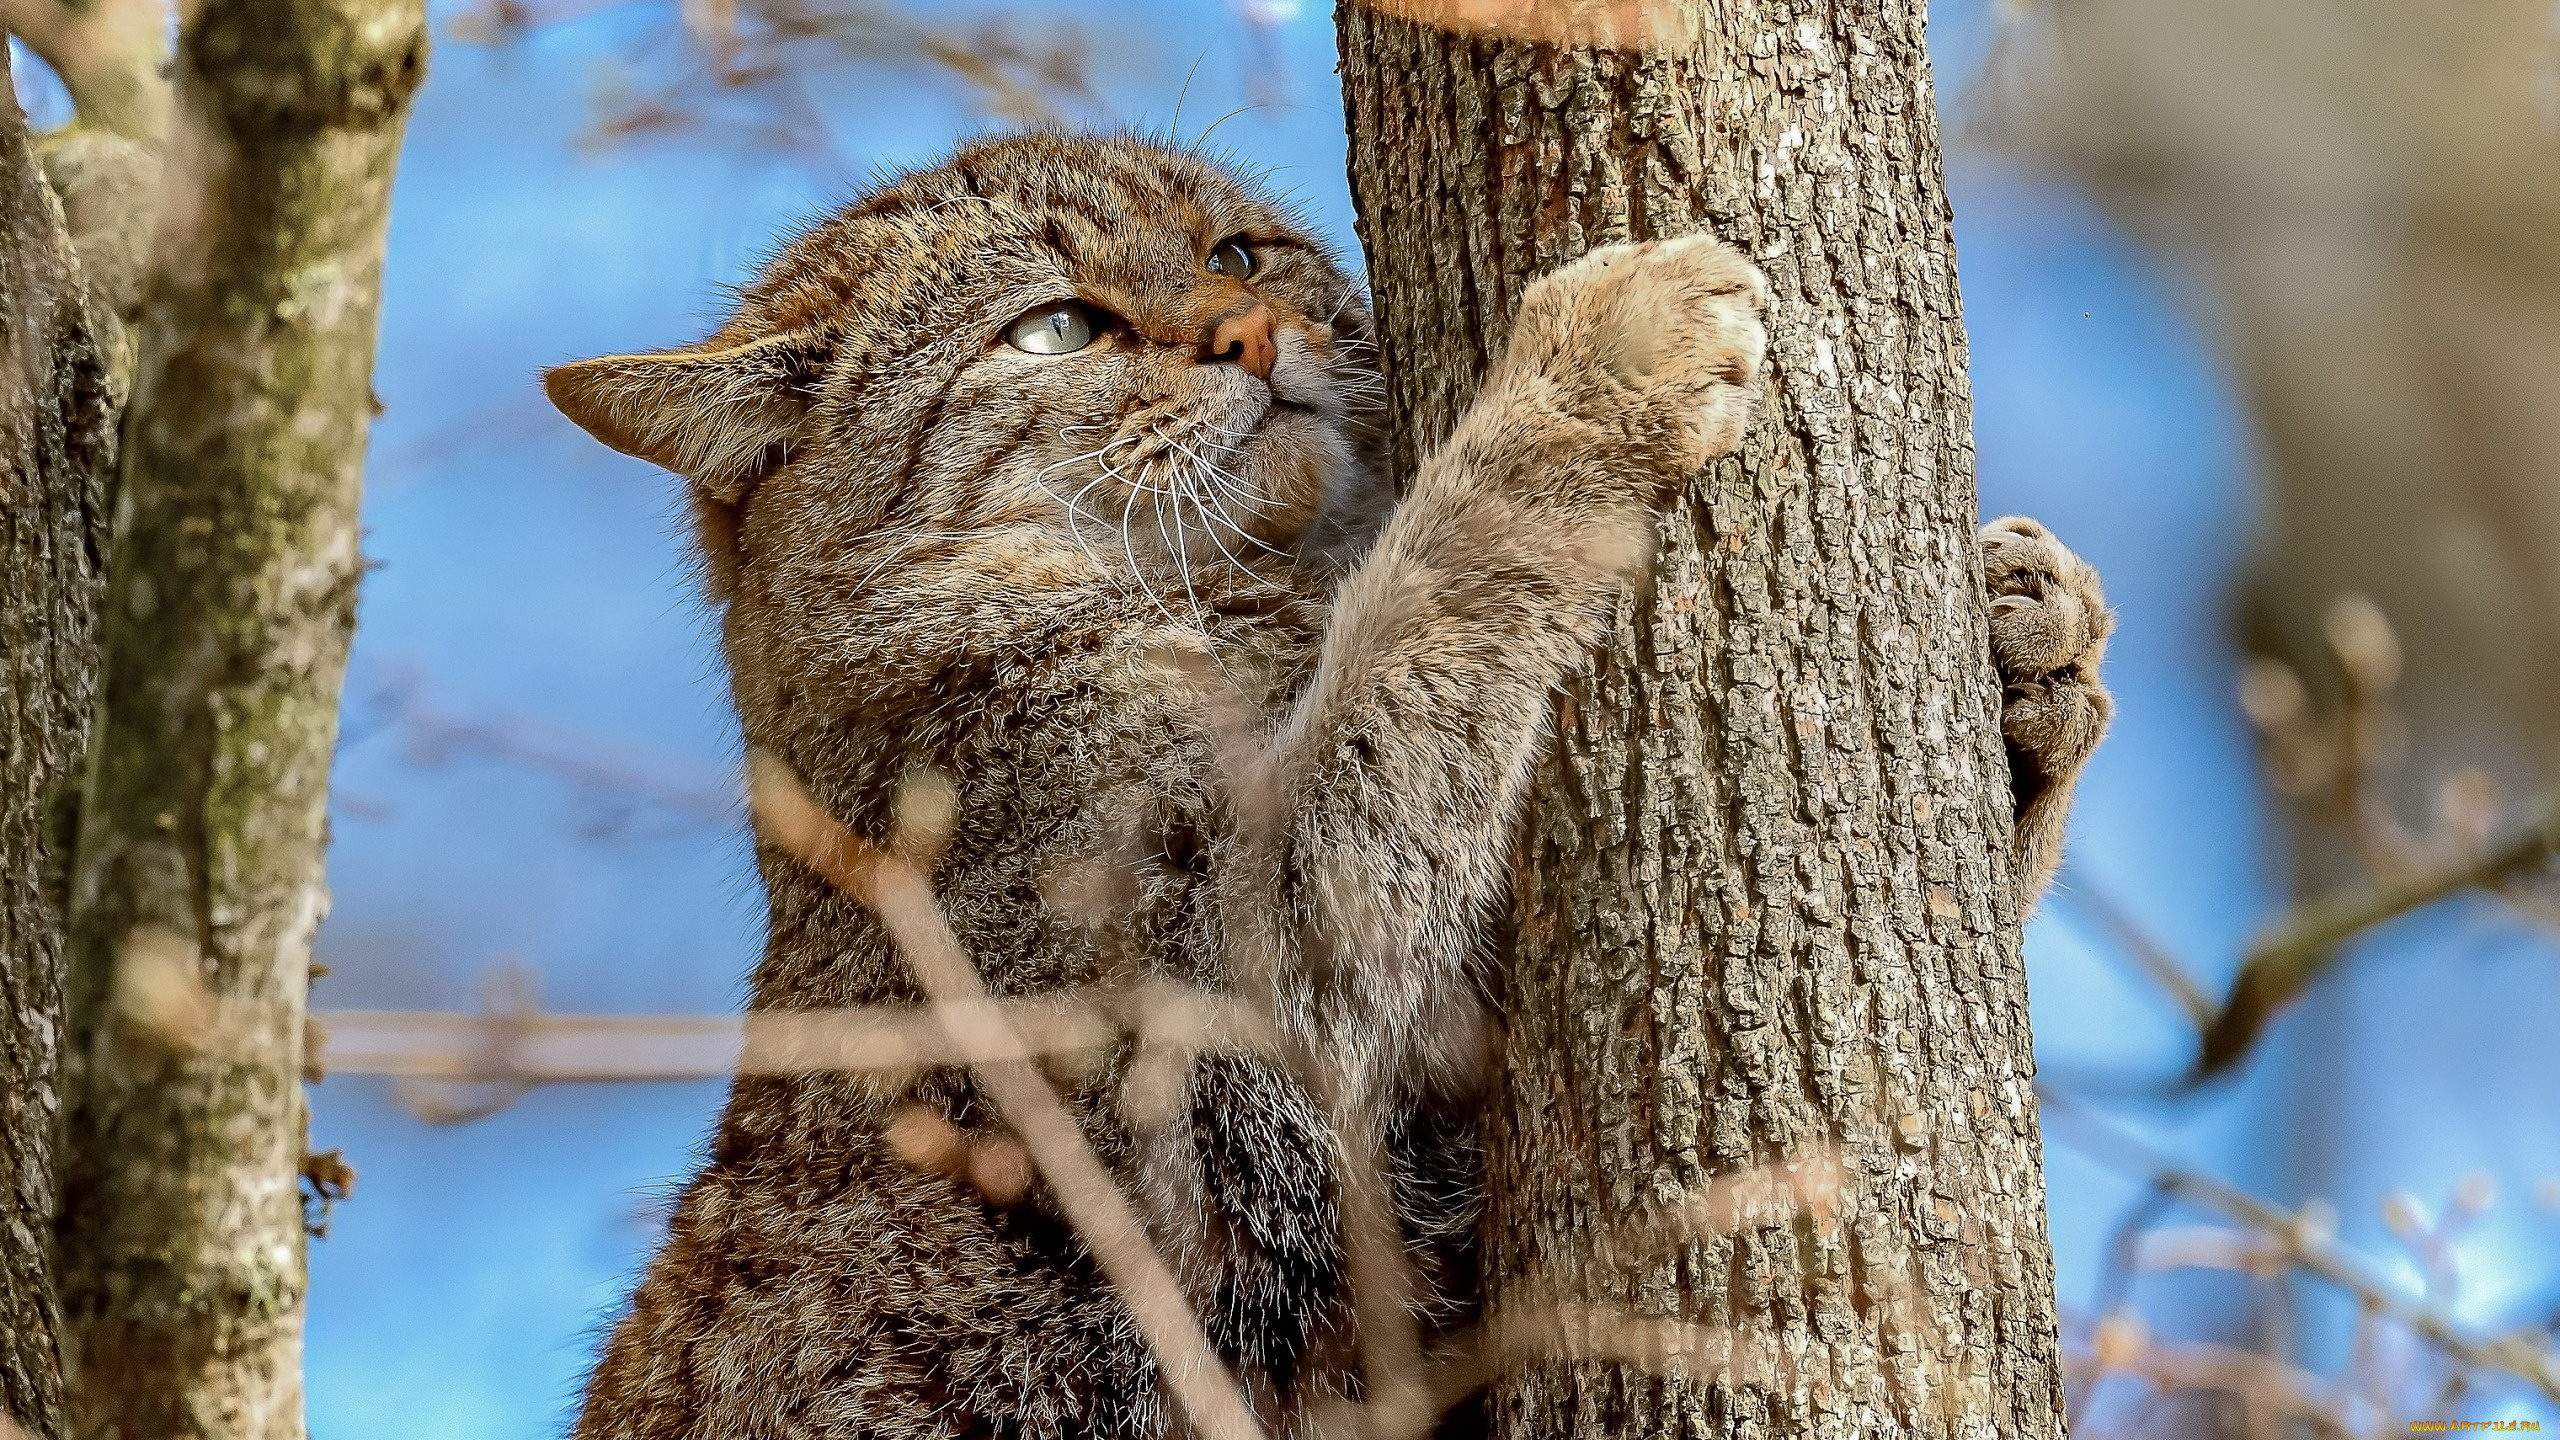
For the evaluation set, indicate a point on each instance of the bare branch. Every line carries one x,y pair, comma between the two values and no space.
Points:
1809,1186
2286,959
765,49
2266,1388
1402,1403
598,767
1652,1343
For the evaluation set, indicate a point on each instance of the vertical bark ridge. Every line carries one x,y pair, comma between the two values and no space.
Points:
58,404
1762,905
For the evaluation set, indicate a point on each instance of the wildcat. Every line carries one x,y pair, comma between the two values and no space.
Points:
1036,470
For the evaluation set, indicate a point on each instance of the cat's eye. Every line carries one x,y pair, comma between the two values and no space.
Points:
1231,258
1058,329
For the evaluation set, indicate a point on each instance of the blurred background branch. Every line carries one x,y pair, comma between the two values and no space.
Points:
612,779
2306,1240
109,54
755,61
2302,946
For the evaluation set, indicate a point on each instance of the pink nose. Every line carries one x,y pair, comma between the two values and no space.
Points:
1246,340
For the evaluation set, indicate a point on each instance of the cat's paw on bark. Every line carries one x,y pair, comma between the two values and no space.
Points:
2049,629
1659,342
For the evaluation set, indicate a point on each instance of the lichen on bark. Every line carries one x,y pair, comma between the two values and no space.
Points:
197,881
1762,909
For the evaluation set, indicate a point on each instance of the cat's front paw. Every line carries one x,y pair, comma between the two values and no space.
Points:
1659,341
2049,629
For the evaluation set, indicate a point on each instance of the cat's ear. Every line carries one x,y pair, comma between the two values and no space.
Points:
720,418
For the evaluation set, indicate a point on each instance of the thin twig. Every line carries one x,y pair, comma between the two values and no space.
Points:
2093,900
896,891
2262,1384
1810,1186
546,1049
2523,1354
766,47
528,1048
596,765
1400,1399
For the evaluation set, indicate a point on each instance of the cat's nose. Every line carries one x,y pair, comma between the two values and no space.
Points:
1246,340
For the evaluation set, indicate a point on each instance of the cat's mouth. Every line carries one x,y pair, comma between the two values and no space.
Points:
1325,382
1236,465
1198,452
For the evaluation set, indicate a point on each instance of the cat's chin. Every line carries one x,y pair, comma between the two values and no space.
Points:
1287,463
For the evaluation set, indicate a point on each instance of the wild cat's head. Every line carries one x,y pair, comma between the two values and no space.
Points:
1121,342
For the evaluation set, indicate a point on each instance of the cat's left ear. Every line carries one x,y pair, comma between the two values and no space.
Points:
720,418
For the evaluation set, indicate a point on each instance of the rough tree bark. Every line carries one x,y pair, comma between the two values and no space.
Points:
58,404
197,878
1762,903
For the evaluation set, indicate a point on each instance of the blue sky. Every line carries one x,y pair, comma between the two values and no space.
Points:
533,582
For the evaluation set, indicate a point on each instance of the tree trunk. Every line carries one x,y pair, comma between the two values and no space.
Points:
197,882
1762,904
57,443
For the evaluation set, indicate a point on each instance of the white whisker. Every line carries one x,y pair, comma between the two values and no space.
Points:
1182,558
1209,515
1110,472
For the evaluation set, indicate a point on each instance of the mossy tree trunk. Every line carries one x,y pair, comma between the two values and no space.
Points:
1762,906
58,405
197,879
